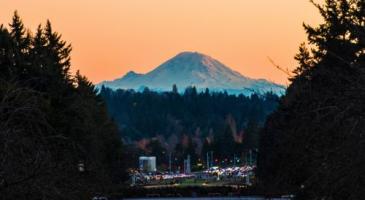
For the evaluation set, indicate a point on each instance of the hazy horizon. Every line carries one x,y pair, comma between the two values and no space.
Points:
139,35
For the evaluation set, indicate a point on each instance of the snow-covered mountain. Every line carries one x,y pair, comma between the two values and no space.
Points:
193,69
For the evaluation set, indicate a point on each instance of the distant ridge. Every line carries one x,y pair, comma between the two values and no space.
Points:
194,69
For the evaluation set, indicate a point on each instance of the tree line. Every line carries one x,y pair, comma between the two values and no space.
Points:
189,123
56,139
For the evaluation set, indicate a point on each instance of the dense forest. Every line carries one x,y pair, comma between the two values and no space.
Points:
61,138
313,146
190,122
56,139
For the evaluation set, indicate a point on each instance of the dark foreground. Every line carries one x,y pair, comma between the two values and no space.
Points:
215,198
186,193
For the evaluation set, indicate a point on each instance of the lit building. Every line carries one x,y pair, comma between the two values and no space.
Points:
147,164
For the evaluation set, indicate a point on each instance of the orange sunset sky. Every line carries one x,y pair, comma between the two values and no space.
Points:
112,37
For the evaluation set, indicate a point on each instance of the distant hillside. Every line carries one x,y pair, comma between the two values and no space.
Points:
194,69
189,122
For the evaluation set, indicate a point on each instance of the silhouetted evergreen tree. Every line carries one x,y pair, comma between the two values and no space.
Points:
154,147
56,139
251,136
313,145
174,89
224,144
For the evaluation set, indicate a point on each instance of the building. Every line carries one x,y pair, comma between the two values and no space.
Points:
187,168
147,164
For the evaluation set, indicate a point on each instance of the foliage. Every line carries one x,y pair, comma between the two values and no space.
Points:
51,122
191,123
313,145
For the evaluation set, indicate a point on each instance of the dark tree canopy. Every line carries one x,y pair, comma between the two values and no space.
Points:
52,123
191,123
313,145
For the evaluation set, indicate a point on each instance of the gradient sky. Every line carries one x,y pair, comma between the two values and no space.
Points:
112,37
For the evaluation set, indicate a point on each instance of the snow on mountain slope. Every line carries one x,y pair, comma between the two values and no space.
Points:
194,69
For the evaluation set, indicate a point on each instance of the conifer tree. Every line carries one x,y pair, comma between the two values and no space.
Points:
51,122
174,89
311,145
21,45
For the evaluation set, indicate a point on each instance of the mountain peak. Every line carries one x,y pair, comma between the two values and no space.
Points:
191,55
191,63
194,68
